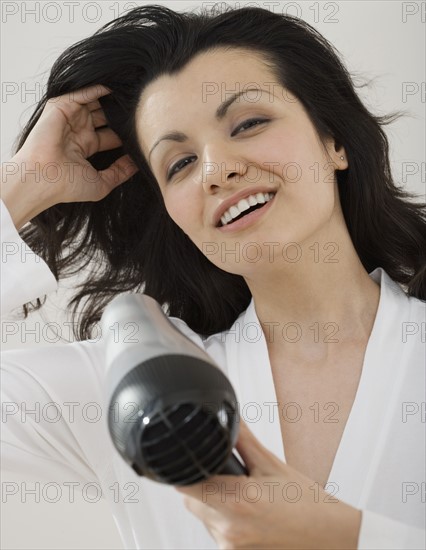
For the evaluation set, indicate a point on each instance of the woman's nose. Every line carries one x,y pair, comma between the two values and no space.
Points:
221,166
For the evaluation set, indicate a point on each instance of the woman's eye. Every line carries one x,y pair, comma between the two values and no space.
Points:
249,123
180,164
173,170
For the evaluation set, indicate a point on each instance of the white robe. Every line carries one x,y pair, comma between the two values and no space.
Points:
380,462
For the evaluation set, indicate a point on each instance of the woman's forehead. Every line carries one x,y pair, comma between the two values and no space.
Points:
209,79
224,70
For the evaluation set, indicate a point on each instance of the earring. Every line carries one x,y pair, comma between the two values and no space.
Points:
342,157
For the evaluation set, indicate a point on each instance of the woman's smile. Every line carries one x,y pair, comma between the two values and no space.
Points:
248,219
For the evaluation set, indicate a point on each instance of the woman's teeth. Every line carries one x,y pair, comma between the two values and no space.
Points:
243,205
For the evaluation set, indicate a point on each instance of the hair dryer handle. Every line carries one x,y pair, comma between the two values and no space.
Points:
234,467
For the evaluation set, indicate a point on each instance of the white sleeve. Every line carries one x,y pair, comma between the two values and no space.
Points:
24,275
53,419
52,415
378,532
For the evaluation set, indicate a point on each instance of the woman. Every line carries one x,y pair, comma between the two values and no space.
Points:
166,128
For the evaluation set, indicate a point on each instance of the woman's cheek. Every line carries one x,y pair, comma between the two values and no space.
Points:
180,210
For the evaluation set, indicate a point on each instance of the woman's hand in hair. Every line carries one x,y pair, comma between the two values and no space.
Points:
52,167
274,507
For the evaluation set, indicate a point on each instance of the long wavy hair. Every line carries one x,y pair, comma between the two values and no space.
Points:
129,243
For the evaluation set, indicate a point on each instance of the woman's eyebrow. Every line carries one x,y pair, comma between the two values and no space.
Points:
221,111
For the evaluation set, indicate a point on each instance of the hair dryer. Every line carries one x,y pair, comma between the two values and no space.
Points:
172,413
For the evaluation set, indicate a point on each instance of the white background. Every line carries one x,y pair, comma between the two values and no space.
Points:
384,40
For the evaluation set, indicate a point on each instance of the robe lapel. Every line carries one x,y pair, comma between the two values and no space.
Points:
250,373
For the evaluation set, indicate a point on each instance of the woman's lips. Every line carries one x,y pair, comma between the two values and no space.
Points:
248,219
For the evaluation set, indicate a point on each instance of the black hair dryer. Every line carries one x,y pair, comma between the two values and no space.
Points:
172,413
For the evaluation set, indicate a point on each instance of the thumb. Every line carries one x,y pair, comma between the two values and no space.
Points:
258,459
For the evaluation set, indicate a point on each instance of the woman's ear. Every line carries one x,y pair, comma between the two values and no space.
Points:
337,154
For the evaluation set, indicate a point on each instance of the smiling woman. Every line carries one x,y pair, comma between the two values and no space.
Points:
227,168
312,117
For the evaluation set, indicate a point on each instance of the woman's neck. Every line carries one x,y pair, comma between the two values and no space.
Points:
311,306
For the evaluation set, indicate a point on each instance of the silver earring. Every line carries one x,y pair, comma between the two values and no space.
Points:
342,157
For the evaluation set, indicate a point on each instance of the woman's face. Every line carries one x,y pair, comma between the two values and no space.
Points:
227,157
